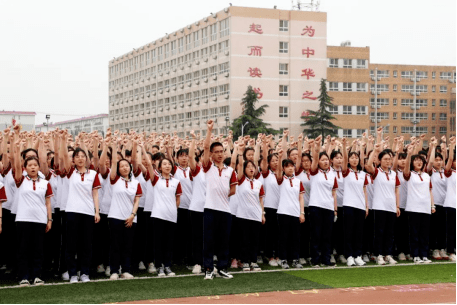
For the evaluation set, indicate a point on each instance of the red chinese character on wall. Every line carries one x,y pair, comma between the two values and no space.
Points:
255,72
308,73
257,28
256,50
305,113
308,30
259,94
307,95
308,52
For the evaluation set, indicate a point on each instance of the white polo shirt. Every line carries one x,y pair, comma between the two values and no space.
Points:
32,196
123,197
354,182
370,190
2,193
10,188
305,178
16,198
272,192
290,189
419,186
385,183
80,199
439,186
165,193
449,202
197,203
149,192
184,176
340,189
218,187
322,185
249,192
141,178
52,178
403,189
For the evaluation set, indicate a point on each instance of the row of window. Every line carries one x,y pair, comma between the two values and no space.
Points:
361,87
357,133
347,63
406,116
407,102
410,74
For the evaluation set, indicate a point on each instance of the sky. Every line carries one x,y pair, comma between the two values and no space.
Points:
54,54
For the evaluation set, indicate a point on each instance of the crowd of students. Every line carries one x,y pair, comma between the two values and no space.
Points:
131,201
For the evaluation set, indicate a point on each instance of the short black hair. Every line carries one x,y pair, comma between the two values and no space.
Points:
334,154
287,162
414,157
128,153
182,151
215,144
77,151
353,153
117,168
25,151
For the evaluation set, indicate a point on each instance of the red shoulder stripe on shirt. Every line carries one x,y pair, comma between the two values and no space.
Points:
49,192
139,191
3,195
96,184
179,190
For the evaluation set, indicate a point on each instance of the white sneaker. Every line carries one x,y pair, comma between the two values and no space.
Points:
417,260
359,261
380,260
426,260
390,260
85,278
38,282
409,257
443,254
141,266
108,271
114,277
365,258
401,257
24,283
78,274
197,269
436,254
65,276
259,260
100,268
126,276
255,267
246,267
74,279
342,259
452,257
209,275
215,258
350,261
332,259
284,264
152,268
302,261
273,262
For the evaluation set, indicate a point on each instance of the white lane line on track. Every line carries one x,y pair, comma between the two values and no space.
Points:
236,272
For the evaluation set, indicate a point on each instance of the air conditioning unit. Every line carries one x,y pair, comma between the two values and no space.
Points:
373,107
197,62
167,108
189,84
413,107
215,98
181,67
161,91
161,39
197,23
189,27
181,124
181,30
197,102
226,53
174,34
154,110
373,78
160,73
154,93
214,77
214,16
226,10
181,105
214,56
189,123
142,80
168,36
173,87
227,96
168,71
167,90
174,106
181,86
373,92
198,122
418,107
205,101
373,120
205,59
154,76
189,104
418,93
161,109
226,74
174,69
205,19
197,82
205,79
379,120
189,65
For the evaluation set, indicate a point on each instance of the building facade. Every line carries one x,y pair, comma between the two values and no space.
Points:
98,122
25,119
197,73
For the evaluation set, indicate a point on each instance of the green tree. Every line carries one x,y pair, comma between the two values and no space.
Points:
319,122
252,115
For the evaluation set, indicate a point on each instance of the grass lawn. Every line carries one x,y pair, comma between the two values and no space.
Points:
144,289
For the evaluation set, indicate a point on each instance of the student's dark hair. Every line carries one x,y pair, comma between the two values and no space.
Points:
182,151
246,151
150,155
128,153
270,157
423,153
382,154
414,157
323,153
77,151
227,161
334,154
69,148
26,161
130,165
158,156
438,149
49,153
402,156
156,146
215,144
305,154
25,151
353,153
287,162
289,151
438,155
246,164
90,155
271,151
159,168
52,163
390,152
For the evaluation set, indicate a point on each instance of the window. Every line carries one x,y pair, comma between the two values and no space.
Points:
213,91
433,88
443,116
347,109
360,132
283,112
224,89
283,47
347,86
361,110
333,86
347,63
433,102
410,102
361,87
381,115
361,63
333,63
347,133
395,102
380,73
224,28
283,25
421,74
406,74
394,115
395,129
395,88
395,74
381,87
283,69
433,130
224,110
443,89
333,109
443,130
283,90
433,116
380,102
213,31
446,75
223,68
443,103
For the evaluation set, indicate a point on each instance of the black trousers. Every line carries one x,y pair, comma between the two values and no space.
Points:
450,229
149,239
368,233
289,237
338,233
402,239
321,234
101,242
216,237
249,239
384,224
354,220
139,244
419,230
271,228
164,239
30,239
196,222
183,245
121,242
438,228
9,241
234,239
305,236
63,247
52,244
80,231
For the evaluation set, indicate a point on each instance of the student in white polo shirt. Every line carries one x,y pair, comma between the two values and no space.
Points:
338,235
33,218
167,194
355,206
449,203
122,217
221,184
386,204
419,205
322,205
82,211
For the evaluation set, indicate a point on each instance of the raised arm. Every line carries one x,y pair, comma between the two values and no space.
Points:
345,155
113,172
431,158
15,146
64,153
95,144
369,166
148,164
315,150
207,143
5,158
284,144
451,154
300,151
264,162
192,162
407,170
239,168
279,172
42,156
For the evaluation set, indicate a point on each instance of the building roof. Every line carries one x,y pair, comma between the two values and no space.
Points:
103,115
18,112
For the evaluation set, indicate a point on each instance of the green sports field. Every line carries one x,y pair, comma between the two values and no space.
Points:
269,280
